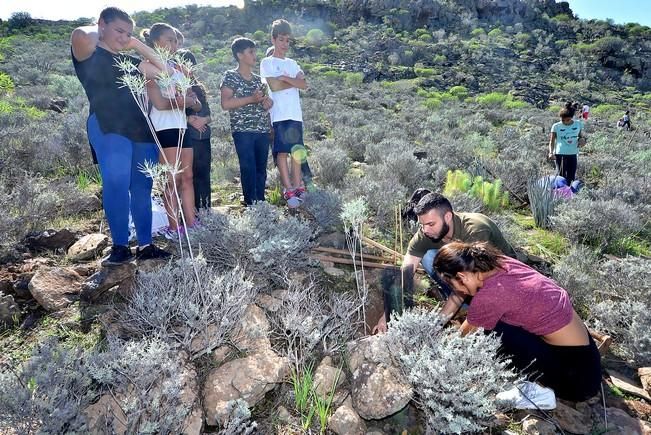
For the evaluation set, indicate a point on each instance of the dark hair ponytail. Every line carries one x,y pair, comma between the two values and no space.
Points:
154,33
458,257
568,110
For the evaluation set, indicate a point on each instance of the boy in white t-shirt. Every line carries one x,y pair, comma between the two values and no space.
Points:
285,78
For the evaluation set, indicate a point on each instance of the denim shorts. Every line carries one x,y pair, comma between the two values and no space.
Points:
287,134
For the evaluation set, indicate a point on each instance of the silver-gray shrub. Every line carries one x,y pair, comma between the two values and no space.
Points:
310,320
612,295
382,191
463,202
47,393
145,379
238,420
596,223
30,203
263,240
195,315
577,273
330,163
628,321
325,207
455,378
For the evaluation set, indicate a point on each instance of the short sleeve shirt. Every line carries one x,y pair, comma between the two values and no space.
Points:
287,102
116,110
252,117
467,227
522,297
567,137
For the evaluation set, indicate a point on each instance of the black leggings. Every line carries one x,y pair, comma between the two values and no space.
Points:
566,166
573,372
201,172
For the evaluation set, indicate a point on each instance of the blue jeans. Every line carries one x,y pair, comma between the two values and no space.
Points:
252,152
428,264
124,186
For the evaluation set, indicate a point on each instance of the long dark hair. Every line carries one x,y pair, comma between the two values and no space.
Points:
458,257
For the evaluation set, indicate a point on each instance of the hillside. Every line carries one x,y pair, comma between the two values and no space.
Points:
402,94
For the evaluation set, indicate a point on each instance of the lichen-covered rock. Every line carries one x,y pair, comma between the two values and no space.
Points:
106,278
88,247
55,288
346,421
326,376
378,389
248,378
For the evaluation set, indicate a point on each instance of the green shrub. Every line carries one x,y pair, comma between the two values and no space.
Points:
492,99
477,32
315,37
6,84
433,103
606,110
490,193
353,78
424,72
259,35
425,38
460,92
495,33
562,18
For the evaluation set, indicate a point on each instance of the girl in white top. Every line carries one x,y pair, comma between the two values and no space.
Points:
170,124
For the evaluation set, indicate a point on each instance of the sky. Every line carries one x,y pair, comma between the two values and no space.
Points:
71,10
621,11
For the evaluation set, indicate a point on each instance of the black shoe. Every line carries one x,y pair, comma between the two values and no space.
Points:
151,252
119,255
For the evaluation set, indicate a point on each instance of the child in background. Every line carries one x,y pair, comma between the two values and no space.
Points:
306,172
199,137
285,78
565,139
243,95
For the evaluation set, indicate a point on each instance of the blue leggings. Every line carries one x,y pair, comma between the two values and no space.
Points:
125,187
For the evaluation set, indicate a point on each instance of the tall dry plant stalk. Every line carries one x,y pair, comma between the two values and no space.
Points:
354,214
161,173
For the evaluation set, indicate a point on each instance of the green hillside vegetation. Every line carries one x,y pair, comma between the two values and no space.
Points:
455,96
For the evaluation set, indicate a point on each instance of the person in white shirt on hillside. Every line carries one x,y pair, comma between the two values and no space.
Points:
285,78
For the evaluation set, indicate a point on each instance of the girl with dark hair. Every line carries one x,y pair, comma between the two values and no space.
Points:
199,136
540,331
565,139
117,128
170,124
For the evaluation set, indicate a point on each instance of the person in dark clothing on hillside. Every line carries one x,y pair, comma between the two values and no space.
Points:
118,129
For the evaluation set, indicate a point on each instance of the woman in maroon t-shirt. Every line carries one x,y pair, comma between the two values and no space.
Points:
540,331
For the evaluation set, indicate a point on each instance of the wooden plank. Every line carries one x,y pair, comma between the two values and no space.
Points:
380,246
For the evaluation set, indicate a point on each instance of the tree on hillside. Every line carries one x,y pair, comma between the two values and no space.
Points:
20,20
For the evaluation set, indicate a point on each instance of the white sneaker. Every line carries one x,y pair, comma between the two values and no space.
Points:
529,395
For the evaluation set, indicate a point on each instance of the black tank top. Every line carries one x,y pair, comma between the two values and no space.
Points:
111,101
